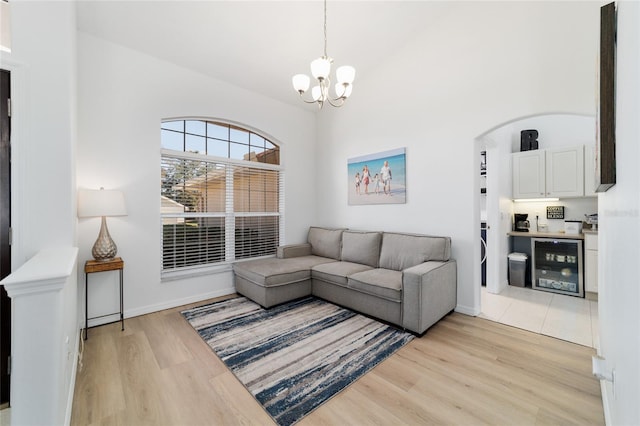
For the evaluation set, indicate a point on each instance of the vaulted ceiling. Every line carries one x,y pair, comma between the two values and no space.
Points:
260,45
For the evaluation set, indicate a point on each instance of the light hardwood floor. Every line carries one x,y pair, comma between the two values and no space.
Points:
463,371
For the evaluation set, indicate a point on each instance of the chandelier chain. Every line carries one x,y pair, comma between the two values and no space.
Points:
325,29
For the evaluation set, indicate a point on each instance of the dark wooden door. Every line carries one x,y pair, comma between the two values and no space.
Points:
5,226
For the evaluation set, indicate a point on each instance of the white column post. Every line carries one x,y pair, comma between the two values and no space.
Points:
44,335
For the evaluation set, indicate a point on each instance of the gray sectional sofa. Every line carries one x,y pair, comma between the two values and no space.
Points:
406,279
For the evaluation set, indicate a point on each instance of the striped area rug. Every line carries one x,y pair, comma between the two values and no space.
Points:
294,357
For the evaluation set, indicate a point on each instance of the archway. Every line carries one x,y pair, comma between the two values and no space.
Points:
495,206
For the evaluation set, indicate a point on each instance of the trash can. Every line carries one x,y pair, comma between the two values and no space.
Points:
517,269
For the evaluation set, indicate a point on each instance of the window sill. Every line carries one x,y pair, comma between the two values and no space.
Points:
195,272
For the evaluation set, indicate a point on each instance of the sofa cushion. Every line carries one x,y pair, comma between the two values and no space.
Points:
337,272
325,242
361,247
401,251
273,272
384,283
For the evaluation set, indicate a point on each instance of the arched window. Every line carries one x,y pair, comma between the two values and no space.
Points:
221,194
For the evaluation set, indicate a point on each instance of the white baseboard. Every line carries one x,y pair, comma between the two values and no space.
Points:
72,384
178,302
143,310
605,402
468,310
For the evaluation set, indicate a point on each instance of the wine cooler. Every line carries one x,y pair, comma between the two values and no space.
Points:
557,266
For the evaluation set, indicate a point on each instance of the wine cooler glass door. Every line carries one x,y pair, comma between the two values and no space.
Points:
557,266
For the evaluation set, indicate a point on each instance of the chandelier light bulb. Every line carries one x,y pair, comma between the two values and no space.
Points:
346,74
320,68
301,82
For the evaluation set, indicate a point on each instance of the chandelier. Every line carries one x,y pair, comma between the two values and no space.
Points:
320,69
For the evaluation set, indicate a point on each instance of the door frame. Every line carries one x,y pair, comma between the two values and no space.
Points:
5,241
19,132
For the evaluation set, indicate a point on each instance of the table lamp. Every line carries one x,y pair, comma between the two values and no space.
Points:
102,203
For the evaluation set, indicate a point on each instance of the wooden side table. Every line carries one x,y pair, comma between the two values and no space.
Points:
92,266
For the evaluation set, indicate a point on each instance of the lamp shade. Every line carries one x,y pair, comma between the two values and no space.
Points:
342,90
346,74
320,68
301,82
102,202
316,93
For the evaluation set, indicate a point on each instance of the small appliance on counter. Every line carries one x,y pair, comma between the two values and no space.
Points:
592,219
572,227
522,224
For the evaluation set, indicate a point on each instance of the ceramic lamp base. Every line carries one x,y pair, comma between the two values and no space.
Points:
104,247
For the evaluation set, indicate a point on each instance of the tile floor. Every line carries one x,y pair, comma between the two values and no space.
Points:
565,317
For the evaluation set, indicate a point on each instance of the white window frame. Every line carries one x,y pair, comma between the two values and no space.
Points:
230,215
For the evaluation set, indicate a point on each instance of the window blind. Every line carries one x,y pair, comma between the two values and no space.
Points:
218,210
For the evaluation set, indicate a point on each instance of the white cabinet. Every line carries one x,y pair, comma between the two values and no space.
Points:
529,174
591,263
549,173
565,172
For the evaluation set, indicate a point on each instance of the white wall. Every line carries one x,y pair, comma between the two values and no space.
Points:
486,65
122,97
556,130
574,209
498,206
619,235
43,139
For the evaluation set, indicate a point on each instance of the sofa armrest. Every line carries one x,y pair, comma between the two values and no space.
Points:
293,250
429,292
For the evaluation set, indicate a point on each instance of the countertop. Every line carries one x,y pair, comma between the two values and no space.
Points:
533,234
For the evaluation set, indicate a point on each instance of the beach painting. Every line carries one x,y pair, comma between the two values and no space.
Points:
377,178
